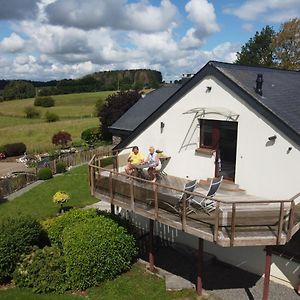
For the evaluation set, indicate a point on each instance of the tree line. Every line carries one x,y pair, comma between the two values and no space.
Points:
269,48
100,81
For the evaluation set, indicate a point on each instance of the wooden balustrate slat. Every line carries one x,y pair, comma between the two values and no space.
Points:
131,194
291,220
280,223
111,188
92,178
183,213
233,219
155,200
217,220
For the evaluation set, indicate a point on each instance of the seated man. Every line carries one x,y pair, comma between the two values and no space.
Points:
154,163
134,158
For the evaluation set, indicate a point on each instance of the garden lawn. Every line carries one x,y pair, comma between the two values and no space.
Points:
135,284
38,203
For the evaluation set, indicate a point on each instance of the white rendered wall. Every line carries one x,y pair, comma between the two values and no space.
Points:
264,170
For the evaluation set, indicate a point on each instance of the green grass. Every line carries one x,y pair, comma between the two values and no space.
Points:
66,106
37,136
38,203
135,284
76,113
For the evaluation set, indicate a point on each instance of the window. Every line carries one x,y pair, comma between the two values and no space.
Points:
209,134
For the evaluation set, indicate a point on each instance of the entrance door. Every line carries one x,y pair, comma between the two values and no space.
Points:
220,136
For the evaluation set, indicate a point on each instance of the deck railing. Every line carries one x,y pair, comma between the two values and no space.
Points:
283,229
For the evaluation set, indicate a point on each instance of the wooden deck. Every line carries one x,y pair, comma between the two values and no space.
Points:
237,221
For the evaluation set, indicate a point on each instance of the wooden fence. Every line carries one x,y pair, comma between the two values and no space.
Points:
12,184
17,182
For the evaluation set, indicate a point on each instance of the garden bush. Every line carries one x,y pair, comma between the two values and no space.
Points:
44,101
15,149
17,236
61,138
96,250
43,270
91,135
55,226
44,174
61,167
31,112
51,117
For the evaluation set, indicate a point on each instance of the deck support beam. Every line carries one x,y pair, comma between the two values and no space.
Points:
200,267
267,272
112,209
151,245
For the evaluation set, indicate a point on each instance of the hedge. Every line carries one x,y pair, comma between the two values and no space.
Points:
17,236
15,149
44,101
44,174
96,250
43,270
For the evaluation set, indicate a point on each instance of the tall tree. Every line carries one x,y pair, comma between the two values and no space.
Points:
18,89
115,106
258,51
286,45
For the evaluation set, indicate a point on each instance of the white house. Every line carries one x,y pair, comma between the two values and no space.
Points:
237,121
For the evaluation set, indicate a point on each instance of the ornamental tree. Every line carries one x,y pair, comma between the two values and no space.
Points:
62,138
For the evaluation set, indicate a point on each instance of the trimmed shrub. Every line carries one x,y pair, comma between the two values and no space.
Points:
61,167
43,270
44,101
14,149
31,112
51,117
44,174
55,226
61,138
17,236
91,135
96,250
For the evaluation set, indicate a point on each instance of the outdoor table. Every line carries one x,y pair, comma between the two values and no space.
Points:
139,169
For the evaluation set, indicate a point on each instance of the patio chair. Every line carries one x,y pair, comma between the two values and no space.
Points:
176,205
205,203
164,162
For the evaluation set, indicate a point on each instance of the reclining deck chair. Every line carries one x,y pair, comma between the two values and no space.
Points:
176,204
207,204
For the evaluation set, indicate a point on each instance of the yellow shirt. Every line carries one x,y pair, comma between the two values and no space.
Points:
136,159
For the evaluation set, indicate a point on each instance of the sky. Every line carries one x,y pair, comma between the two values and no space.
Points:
55,39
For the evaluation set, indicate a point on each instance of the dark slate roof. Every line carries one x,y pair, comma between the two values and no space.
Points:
279,103
281,89
142,109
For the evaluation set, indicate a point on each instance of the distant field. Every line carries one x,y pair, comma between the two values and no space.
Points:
76,112
37,137
66,106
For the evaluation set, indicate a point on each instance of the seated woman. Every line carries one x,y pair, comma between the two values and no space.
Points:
134,158
154,163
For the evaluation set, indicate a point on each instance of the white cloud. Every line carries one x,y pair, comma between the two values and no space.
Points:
270,10
190,41
202,13
248,27
116,14
13,43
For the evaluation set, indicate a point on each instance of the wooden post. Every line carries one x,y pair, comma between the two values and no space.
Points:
183,214
200,267
280,223
92,181
291,220
232,235
151,246
216,229
112,207
155,200
267,272
131,195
